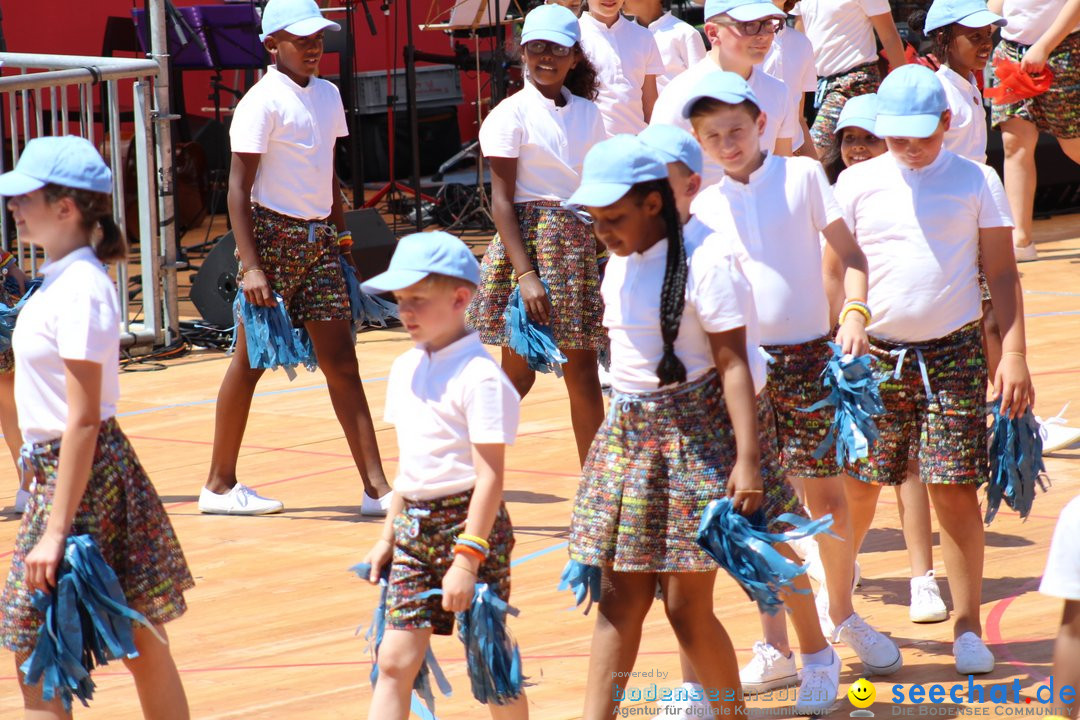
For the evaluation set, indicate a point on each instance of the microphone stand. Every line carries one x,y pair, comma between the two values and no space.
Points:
414,119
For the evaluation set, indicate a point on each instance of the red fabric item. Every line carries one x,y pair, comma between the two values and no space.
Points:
1015,84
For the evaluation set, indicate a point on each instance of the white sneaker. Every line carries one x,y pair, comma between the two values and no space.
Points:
878,653
1028,253
818,687
241,500
768,670
821,601
22,497
926,603
682,707
376,506
972,655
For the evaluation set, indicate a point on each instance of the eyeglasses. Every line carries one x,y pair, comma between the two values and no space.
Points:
756,27
540,47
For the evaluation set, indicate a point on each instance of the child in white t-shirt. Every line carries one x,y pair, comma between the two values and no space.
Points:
679,42
922,215
1062,579
627,62
845,54
87,478
791,59
455,412
536,141
286,213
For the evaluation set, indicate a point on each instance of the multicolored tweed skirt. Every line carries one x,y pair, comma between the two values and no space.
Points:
1056,111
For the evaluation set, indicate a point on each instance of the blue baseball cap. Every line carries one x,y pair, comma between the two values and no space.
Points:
421,254
860,111
910,103
300,17
723,86
742,10
553,23
674,145
969,13
612,167
66,160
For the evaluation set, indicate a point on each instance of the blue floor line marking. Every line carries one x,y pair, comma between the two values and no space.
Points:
1053,314
539,553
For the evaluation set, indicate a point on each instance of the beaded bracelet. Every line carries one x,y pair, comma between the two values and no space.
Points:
470,551
463,542
527,272
476,539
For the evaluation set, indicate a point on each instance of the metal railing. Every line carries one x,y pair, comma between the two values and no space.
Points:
37,102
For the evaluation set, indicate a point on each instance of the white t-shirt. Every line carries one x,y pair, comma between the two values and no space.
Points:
777,218
1062,576
550,142
967,131
920,232
781,119
1030,19
841,32
631,292
791,59
74,315
441,404
623,55
680,46
695,233
294,129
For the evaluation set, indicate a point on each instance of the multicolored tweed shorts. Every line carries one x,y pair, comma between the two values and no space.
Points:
302,263
794,384
1056,111
424,535
833,93
656,462
935,411
564,253
123,513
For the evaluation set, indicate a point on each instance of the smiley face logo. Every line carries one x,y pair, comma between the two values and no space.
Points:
862,693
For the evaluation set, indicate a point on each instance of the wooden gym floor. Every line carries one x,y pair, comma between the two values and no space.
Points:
271,628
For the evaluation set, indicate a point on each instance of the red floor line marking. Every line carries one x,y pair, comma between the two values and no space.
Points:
993,631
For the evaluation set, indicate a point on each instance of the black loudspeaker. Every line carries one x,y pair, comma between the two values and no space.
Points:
213,288
439,134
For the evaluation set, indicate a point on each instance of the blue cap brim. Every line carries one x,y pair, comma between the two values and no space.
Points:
730,98
982,18
550,35
16,183
913,126
866,123
305,27
599,194
755,11
392,280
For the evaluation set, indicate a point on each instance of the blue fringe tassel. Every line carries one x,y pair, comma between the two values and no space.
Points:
493,657
583,580
853,392
87,623
367,310
530,340
374,635
1016,463
8,315
272,341
747,554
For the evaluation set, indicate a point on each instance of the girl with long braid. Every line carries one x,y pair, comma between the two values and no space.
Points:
681,430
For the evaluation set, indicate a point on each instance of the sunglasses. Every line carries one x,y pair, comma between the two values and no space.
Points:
769,26
541,47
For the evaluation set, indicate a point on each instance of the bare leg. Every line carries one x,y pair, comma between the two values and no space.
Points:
586,398
515,367
825,496
1019,138
400,655
34,708
336,354
913,501
230,417
803,612
862,501
625,601
962,546
161,693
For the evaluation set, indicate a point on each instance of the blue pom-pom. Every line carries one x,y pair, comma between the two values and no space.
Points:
583,580
367,310
87,623
10,314
530,340
1016,464
493,657
853,392
747,552
272,341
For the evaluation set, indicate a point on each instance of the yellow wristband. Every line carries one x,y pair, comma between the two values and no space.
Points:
476,539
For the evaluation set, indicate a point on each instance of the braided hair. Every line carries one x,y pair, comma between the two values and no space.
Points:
939,37
673,292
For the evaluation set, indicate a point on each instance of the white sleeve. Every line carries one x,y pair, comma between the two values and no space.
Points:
341,125
597,131
252,124
500,134
789,126
808,82
993,204
695,46
712,290
844,197
492,409
88,328
824,207
654,63
875,7
1062,575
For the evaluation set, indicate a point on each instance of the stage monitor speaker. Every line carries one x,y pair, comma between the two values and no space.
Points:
439,138
214,287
